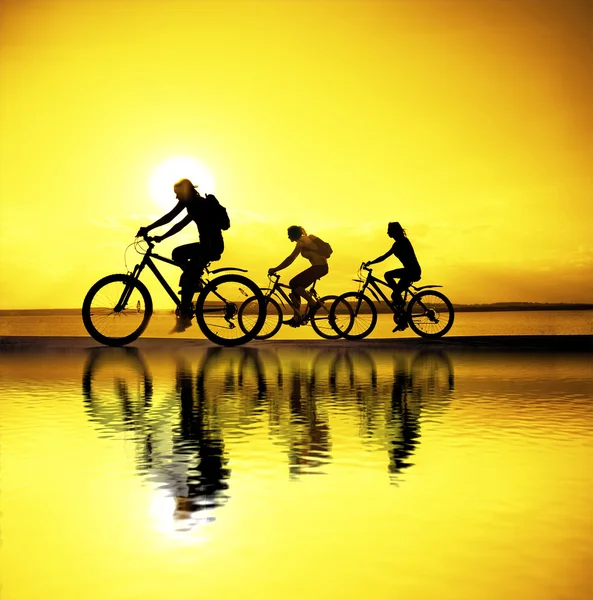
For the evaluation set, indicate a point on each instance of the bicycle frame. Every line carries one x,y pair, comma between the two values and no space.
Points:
372,283
278,288
148,261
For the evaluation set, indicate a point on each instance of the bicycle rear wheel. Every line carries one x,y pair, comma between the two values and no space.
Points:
249,312
430,314
364,317
116,310
218,306
333,318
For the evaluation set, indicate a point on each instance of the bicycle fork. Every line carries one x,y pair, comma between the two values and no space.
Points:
125,296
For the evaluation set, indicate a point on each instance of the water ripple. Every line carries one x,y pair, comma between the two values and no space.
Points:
375,454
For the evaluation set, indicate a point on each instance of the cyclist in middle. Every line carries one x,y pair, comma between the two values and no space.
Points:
305,246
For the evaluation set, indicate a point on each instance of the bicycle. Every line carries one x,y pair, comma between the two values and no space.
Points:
318,317
117,389
429,313
117,308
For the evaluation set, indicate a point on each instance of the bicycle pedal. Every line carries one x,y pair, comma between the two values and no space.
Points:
292,323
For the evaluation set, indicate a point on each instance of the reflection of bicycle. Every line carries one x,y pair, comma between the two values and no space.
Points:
234,380
319,317
432,378
349,372
117,388
428,313
117,309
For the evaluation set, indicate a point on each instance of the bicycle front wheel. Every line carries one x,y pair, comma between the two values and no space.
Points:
218,306
332,318
430,314
364,316
117,389
249,313
116,310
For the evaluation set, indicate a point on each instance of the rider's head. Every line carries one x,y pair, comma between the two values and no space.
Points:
396,231
295,232
185,190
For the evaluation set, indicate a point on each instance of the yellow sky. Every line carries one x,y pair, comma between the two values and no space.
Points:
469,122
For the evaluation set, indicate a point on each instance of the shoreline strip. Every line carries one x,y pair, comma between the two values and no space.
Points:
506,343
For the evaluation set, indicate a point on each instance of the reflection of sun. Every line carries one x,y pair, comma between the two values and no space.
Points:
169,517
172,170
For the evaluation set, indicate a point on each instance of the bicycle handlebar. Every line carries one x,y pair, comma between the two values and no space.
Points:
149,240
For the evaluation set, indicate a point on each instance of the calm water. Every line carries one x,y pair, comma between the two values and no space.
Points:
239,473
553,322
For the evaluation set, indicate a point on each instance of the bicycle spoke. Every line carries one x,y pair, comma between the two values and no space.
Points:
249,314
219,305
364,317
332,318
107,321
430,314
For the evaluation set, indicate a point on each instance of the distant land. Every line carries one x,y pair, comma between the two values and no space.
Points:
492,307
495,306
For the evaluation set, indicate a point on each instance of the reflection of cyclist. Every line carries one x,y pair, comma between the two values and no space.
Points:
307,248
200,440
210,218
403,419
309,434
420,389
403,250
194,473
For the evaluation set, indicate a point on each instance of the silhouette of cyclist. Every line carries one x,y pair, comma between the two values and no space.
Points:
210,218
403,250
306,247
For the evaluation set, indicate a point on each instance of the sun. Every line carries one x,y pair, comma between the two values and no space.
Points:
160,185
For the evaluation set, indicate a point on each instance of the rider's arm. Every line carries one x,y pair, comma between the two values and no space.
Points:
288,260
176,228
164,219
380,258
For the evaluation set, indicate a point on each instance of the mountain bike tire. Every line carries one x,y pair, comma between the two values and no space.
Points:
110,325
272,320
364,316
430,314
218,305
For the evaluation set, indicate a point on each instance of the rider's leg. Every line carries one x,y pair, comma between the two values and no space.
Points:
198,264
301,282
304,293
396,286
295,300
191,278
406,279
185,256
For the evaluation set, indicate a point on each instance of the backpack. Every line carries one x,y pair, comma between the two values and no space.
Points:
221,217
323,248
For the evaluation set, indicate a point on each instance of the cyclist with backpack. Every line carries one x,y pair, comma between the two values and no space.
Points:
211,218
316,251
403,250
